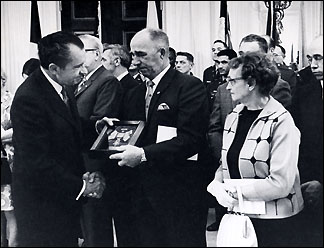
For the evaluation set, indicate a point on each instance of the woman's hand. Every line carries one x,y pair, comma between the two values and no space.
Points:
225,195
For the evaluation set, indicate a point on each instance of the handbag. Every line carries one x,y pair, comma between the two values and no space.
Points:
5,168
236,229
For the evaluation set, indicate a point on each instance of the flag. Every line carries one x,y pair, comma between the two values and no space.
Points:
224,25
35,30
152,20
271,28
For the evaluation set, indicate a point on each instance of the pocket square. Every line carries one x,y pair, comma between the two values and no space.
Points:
163,106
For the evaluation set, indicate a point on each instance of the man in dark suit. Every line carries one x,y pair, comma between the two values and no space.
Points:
49,175
307,111
98,95
169,198
117,59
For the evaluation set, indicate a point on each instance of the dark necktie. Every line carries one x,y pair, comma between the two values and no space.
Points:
149,94
65,97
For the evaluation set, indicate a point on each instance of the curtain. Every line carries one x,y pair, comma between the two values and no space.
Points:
192,26
15,34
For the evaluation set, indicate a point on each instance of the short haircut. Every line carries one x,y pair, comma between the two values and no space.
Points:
171,50
186,54
283,50
159,37
230,53
122,52
258,67
220,41
95,41
257,38
30,66
54,48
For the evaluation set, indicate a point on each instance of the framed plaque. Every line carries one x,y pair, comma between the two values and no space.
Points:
122,133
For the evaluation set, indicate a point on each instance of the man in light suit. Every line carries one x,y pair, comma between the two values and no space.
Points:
49,176
169,198
98,95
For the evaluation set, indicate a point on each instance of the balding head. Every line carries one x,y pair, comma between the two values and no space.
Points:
150,51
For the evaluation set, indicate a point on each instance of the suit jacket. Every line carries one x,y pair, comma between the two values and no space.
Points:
223,105
168,179
127,83
289,76
47,175
307,110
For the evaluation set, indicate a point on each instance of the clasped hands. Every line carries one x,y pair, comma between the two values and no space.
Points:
226,195
95,184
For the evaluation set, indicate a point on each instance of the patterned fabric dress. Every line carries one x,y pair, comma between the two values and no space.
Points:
6,100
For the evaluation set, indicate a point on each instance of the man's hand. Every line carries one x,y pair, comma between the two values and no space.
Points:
95,184
129,155
105,121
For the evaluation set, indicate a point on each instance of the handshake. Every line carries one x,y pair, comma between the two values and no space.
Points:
95,184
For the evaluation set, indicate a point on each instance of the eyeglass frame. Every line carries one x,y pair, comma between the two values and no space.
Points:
232,81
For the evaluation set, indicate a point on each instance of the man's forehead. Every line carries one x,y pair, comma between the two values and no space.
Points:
252,46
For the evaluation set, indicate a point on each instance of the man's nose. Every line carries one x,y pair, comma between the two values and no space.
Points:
83,70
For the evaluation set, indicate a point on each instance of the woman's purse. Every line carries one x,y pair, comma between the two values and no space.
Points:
5,168
236,229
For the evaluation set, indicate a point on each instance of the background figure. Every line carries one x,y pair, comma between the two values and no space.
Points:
29,67
99,94
49,175
216,124
260,143
307,110
184,62
8,219
172,57
211,76
117,59
170,195
278,53
135,73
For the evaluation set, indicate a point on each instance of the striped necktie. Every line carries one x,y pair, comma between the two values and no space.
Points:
149,94
65,97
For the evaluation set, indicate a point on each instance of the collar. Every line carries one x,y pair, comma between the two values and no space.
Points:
120,77
91,73
158,78
56,86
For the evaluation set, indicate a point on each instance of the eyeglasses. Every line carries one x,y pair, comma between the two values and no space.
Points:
91,49
316,57
232,81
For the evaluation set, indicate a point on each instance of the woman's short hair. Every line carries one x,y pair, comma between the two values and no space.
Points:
257,67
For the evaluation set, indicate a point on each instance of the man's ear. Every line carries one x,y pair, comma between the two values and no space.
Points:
53,68
117,61
162,52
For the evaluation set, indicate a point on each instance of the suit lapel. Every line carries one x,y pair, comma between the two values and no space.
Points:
162,86
88,83
57,104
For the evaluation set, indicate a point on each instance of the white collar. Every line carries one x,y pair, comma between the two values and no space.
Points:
56,86
120,77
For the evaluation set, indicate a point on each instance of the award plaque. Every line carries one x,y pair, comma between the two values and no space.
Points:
121,134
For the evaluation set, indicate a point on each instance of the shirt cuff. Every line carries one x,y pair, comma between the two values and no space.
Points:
82,190
143,158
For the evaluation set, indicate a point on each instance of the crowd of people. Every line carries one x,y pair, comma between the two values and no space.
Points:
250,118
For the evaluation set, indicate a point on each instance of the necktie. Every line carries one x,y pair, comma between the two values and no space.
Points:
65,97
149,94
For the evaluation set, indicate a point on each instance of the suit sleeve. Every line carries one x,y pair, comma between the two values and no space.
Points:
215,129
109,99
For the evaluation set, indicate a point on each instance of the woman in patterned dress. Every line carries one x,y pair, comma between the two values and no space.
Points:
8,220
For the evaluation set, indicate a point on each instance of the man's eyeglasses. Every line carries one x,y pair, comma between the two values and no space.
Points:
232,81
91,49
316,57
